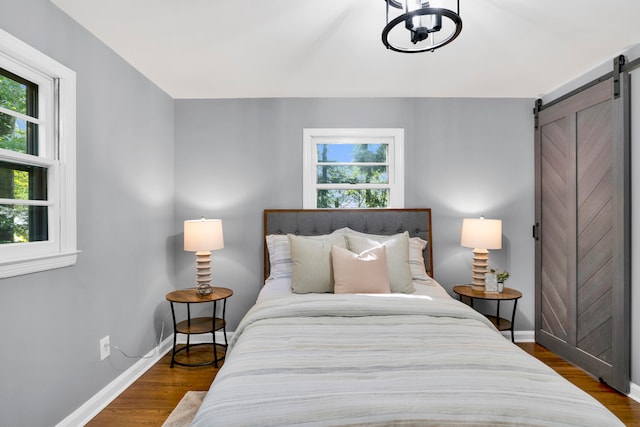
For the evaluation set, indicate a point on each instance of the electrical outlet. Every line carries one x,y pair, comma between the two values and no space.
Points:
105,349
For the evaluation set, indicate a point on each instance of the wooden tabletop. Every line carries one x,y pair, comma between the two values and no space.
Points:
506,294
191,295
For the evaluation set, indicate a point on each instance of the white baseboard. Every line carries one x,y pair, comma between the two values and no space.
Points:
202,338
100,400
521,336
634,392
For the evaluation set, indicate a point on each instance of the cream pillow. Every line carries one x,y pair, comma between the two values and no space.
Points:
416,254
364,273
397,248
312,270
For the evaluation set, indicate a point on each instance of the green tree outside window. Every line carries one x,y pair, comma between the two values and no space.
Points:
366,165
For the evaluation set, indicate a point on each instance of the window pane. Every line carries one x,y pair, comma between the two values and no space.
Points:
347,153
22,182
13,133
353,175
13,94
21,96
21,223
353,198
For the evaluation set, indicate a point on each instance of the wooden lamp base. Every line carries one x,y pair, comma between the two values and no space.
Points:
479,267
203,272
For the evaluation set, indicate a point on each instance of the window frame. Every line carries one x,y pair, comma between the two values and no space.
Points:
57,152
395,160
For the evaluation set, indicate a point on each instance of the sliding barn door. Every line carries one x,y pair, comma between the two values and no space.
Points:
582,245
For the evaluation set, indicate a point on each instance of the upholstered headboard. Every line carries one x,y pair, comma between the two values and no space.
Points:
311,222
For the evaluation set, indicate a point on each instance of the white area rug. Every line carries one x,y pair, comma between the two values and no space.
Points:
183,414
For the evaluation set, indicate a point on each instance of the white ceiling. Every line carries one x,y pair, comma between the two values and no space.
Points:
333,48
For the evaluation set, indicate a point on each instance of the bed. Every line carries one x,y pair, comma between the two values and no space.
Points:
399,355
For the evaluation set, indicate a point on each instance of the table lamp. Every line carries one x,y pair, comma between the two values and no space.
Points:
202,236
481,234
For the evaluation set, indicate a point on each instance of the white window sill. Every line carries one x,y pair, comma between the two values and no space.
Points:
37,264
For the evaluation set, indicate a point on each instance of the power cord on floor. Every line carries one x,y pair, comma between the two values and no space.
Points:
156,347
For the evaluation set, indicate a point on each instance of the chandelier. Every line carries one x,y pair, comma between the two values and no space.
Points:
425,28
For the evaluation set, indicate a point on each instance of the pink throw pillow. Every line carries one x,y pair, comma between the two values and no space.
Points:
365,273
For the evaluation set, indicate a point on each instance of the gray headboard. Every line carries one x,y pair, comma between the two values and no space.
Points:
311,222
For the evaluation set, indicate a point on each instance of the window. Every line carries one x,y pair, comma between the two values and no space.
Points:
353,168
37,161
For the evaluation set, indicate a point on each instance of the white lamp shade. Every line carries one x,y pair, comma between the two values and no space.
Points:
481,233
203,235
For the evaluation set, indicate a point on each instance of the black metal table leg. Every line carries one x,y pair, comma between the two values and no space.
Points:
215,352
513,319
175,335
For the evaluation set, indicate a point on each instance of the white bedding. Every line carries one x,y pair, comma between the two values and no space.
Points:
384,359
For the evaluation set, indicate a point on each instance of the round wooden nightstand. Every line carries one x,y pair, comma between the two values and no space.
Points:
199,325
508,294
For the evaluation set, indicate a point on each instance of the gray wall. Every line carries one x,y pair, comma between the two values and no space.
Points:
52,321
463,158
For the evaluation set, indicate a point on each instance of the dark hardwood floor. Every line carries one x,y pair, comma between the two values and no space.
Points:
625,408
150,400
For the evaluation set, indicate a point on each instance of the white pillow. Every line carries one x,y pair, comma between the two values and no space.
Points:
416,259
312,270
280,254
397,248
365,273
